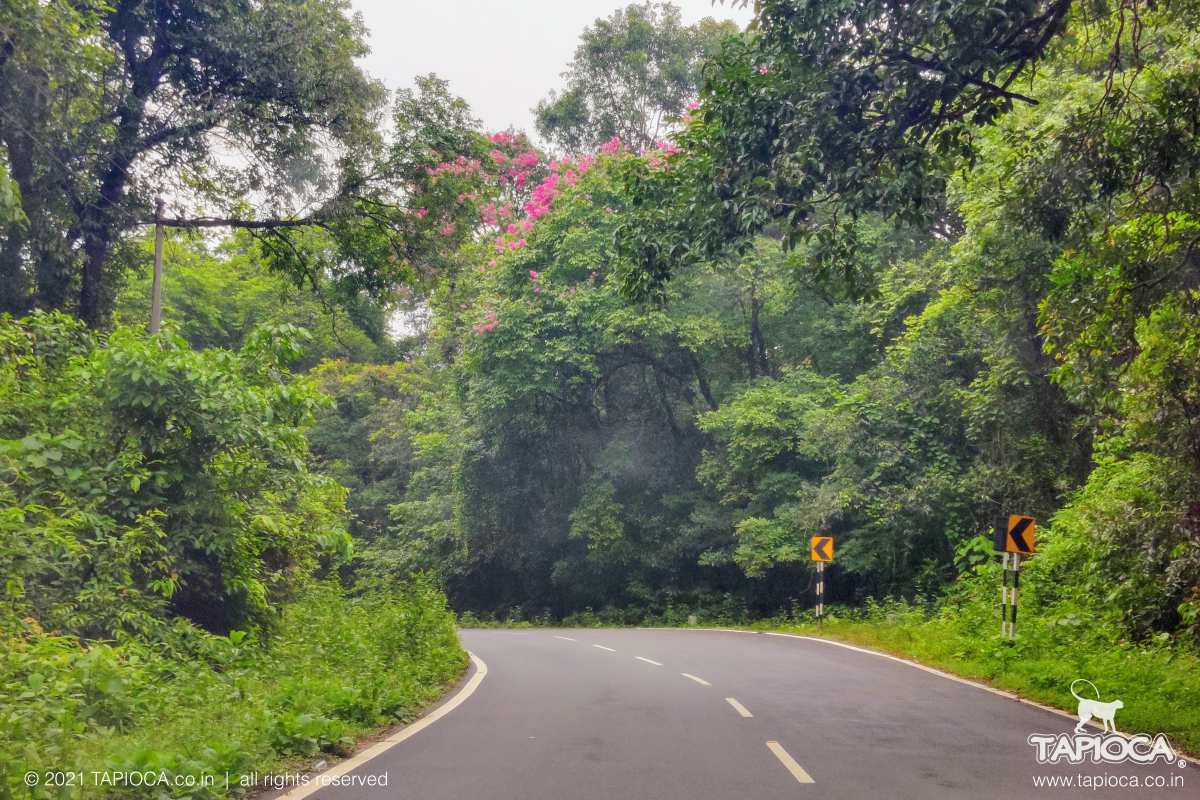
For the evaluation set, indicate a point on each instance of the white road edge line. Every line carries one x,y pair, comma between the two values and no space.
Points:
649,661
790,763
602,647
354,762
700,681
565,638
738,707
922,667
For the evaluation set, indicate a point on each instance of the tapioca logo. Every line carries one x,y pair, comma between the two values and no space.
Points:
1107,747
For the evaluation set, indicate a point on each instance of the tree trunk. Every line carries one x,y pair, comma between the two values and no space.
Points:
98,220
758,344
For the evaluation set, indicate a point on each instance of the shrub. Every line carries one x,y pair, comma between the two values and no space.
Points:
141,479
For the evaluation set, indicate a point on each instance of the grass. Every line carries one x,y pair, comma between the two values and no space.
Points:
198,705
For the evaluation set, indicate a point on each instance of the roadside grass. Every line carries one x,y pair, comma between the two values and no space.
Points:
192,704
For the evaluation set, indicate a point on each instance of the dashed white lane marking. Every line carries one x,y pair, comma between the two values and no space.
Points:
649,661
789,763
396,738
738,707
602,647
565,638
700,681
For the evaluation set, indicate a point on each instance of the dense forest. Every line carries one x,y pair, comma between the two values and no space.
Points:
894,336
887,273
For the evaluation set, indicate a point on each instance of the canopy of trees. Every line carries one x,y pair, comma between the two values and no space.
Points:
598,380
986,305
633,75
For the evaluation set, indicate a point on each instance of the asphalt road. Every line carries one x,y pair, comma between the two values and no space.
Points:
604,714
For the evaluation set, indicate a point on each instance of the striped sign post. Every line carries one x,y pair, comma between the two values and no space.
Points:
820,550
1010,582
820,590
1019,539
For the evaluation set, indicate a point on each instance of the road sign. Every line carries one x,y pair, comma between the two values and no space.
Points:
821,549
1021,535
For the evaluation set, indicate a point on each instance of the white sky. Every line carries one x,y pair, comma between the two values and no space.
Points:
501,55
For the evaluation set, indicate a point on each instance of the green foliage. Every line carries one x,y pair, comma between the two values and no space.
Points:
823,112
143,478
104,105
196,705
216,297
988,307
632,74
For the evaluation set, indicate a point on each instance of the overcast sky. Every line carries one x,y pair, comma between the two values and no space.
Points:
501,55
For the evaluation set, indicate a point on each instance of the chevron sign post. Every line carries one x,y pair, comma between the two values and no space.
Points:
820,550
1018,539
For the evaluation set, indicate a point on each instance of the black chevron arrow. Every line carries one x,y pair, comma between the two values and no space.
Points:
821,548
1017,534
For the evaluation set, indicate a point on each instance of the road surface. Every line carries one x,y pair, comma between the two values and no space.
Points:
603,714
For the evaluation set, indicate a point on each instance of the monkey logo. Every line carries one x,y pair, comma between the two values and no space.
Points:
1105,713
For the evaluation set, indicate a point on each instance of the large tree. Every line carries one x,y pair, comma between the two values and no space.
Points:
824,111
254,112
633,74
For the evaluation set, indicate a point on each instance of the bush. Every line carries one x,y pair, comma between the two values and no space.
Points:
198,704
141,480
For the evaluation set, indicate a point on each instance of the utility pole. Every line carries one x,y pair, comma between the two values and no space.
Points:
156,286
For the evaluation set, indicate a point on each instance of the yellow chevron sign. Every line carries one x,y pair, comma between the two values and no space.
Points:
1021,535
821,549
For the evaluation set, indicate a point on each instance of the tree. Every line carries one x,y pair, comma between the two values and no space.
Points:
632,76
216,294
823,112
223,105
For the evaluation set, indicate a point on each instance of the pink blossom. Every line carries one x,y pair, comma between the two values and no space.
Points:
612,145
447,229
692,106
498,156
512,227
533,274
421,212
763,69
489,323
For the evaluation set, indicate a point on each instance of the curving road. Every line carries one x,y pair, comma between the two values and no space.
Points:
693,715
